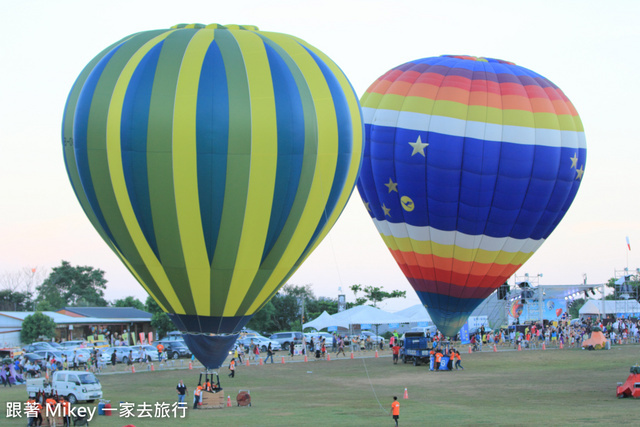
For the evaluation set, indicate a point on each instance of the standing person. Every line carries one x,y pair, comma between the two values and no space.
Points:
256,351
196,396
395,409
182,391
340,347
232,368
75,360
66,411
458,360
160,349
269,354
396,351
50,410
292,348
113,357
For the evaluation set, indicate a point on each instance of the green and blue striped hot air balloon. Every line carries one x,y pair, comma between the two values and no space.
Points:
212,160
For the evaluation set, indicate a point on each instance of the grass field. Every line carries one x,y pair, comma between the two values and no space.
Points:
534,387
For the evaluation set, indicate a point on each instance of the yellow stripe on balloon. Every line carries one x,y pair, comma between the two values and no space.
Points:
262,176
356,155
185,171
327,144
116,171
407,244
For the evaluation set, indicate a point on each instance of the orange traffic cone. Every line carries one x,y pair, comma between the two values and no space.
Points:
376,354
406,393
561,347
495,349
133,369
469,349
328,357
228,401
247,364
190,365
352,354
282,360
544,347
261,361
519,348
306,359
152,368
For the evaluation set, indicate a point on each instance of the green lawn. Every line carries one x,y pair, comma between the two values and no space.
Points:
552,387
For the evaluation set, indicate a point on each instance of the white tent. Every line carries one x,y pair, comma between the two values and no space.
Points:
589,307
415,313
365,314
325,320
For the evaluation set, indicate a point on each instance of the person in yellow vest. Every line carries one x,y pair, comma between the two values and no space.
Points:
232,368
395,409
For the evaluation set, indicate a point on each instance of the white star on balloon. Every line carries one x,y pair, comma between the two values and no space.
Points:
418,146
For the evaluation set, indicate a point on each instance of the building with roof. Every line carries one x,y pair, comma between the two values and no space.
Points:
76,323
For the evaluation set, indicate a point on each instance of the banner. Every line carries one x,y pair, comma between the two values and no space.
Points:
332,328
394,325
365,326
464,334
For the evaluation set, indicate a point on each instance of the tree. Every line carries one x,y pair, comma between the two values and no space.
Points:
14,300
79,286
36,325
575,306
374,294
129,302
159,320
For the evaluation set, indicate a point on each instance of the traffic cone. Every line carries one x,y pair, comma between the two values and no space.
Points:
133,369
495,349
519,348
352,354
469,349
282,360
228,401
406,393
328,357
305,358
376,354
561,347
544,347
247,363
190,365
152,368
261,361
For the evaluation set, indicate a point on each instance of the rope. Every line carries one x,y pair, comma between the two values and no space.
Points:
373,389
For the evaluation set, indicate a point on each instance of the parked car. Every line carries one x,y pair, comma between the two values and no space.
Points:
83,355
173,336
122,354
175,348
46,354
151,351
97,344
70,345
262,342
375,339
40,345
285,338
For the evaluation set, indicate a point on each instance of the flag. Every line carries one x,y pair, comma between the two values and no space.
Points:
628,244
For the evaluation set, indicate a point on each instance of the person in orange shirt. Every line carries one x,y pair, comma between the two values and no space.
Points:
458,360
50,405
395,409
232,368
66,411
438,358
197,393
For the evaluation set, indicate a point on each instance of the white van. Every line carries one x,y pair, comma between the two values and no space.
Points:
74,385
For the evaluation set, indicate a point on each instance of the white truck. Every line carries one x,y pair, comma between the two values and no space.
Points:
74,385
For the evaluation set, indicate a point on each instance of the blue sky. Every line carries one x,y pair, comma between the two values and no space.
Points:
585,47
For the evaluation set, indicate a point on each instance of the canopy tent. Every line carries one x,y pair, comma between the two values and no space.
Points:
365,314
589,307
618,307
415,313
325,320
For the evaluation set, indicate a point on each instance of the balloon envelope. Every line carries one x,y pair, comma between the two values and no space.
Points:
212,160
469,165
